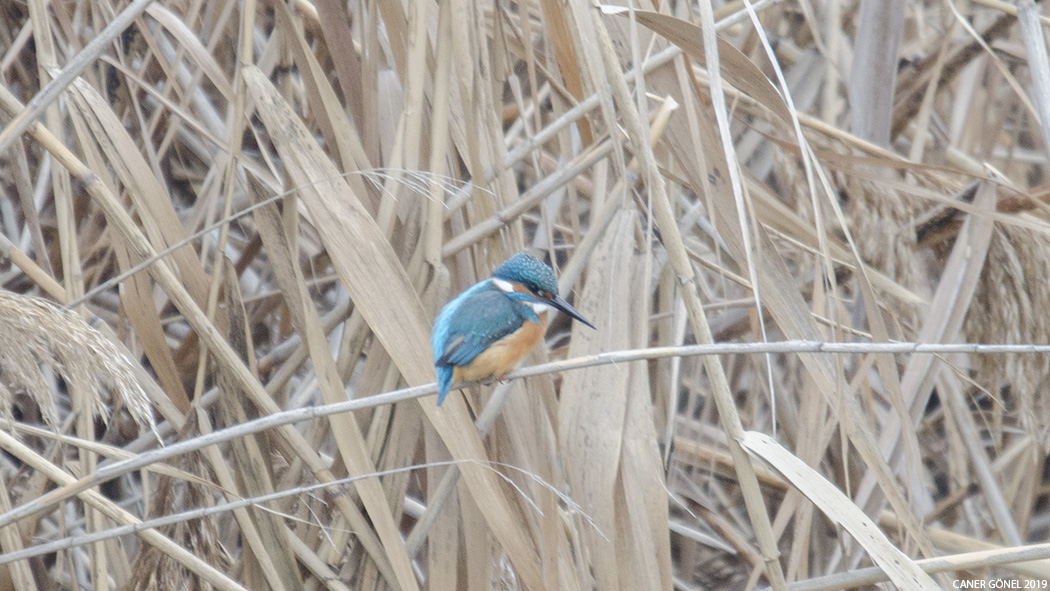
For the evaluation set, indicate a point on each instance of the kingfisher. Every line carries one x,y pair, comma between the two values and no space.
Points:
490,326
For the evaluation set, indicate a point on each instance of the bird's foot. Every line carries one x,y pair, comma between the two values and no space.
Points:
490,380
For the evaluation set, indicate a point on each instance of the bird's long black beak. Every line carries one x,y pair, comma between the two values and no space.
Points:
559,303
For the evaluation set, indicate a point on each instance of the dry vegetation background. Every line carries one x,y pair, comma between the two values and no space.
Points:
222,217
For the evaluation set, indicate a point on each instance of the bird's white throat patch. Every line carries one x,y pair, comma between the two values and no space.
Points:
538,307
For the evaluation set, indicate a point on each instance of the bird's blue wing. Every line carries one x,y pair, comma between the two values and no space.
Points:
440,335
471,323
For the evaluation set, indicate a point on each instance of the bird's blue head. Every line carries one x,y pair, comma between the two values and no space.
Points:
529,271
538,278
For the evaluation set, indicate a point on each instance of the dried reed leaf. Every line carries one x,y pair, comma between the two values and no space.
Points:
556,16
643,483
141,309
151,200
466,90
841,510
190,43
613,491
594,403
737,69
444,550
346,58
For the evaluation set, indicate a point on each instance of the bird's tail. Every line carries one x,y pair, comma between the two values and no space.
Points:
444,375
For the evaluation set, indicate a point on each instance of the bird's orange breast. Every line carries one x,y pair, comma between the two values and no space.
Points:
504,354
